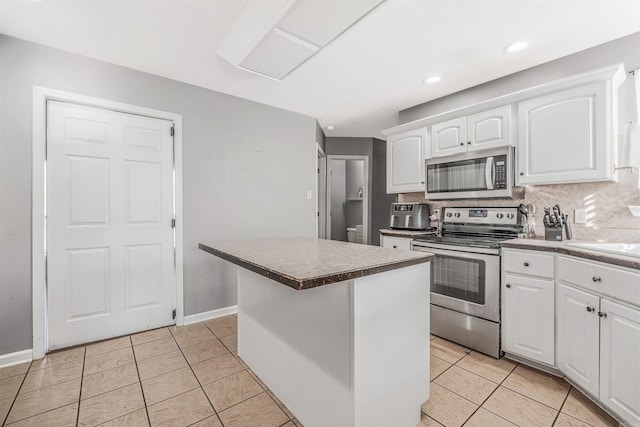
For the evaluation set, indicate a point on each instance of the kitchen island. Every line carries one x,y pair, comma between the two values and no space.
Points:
338,331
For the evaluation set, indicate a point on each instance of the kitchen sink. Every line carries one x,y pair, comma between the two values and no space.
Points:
627,249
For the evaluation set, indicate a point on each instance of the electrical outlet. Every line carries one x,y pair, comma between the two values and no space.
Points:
580,216
435,215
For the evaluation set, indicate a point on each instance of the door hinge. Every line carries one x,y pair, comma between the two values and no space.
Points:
173,131
173,223
173,313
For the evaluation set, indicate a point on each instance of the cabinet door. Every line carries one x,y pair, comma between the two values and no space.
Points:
578,344
395,242
490,129
620,360
562,137
406,153
528,318
449,137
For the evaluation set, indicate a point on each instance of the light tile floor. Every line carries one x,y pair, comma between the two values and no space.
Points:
191,375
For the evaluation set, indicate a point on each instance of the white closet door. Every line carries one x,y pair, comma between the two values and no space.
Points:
110,240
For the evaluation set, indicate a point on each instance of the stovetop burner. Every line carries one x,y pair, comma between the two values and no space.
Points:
476,227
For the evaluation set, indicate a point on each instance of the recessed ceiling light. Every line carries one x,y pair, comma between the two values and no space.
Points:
431,80
517,46
331,127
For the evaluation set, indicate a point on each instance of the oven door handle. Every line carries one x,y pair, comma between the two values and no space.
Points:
489,173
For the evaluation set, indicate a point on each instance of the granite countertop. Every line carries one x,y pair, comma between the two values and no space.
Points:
303,263
401,233
564,248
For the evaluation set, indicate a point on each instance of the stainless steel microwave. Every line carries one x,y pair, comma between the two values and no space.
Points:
471,175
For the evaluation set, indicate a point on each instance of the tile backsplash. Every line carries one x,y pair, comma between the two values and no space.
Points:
608,218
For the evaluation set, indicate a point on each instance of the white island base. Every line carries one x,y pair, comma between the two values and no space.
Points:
353,353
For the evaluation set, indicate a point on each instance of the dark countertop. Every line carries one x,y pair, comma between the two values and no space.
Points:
563,248
303,263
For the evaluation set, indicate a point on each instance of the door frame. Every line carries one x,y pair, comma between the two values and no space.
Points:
38,237
321,191
365,198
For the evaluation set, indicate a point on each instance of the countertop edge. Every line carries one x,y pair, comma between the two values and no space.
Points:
561,248
302,284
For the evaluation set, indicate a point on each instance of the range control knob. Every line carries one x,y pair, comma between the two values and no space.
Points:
457,214
499,215
510,215
449,215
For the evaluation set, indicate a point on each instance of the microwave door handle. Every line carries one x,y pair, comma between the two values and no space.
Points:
489,173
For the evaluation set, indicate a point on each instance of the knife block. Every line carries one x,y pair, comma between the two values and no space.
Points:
553,233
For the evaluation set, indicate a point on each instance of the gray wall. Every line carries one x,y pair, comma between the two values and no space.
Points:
381,201
246,170
625,50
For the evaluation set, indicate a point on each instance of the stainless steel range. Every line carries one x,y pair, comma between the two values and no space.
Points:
465,276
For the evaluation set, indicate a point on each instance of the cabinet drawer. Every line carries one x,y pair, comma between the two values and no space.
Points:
396,242
621,284
528,263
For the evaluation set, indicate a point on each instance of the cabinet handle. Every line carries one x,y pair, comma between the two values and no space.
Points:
461,143
590,309
508,285
602,314
596,279
395,247
526,264
521,173
421,182
469,142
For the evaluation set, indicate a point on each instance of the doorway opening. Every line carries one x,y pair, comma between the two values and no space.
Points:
348,198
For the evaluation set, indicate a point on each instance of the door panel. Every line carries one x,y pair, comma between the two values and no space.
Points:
578,330
109,236
528,318
620,360
89,190
88,282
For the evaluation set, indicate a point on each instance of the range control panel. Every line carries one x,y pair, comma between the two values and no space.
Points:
478,215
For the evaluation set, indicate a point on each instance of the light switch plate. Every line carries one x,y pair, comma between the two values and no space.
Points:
580,216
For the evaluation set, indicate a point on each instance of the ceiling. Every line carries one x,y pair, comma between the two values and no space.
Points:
360,80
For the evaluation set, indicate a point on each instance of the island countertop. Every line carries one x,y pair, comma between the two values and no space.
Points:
303,263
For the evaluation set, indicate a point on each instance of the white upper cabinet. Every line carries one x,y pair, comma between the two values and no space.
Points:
449,137
406,153
487,129
567,136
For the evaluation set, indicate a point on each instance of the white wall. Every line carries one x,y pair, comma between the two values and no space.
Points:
247,168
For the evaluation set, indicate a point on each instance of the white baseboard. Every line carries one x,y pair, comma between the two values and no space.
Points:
18,357
207,315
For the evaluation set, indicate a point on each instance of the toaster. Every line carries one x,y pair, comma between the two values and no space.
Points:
409,216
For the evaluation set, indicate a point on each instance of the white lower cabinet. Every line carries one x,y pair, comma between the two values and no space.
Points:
528,318
395,242
620,360
578,327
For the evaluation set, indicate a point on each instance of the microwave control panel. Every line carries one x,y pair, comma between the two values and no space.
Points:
501,172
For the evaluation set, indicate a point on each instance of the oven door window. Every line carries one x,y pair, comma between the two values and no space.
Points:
457,277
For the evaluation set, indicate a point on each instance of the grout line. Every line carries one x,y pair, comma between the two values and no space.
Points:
489,396
4,421
561,406
84,358
199,383
144,399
